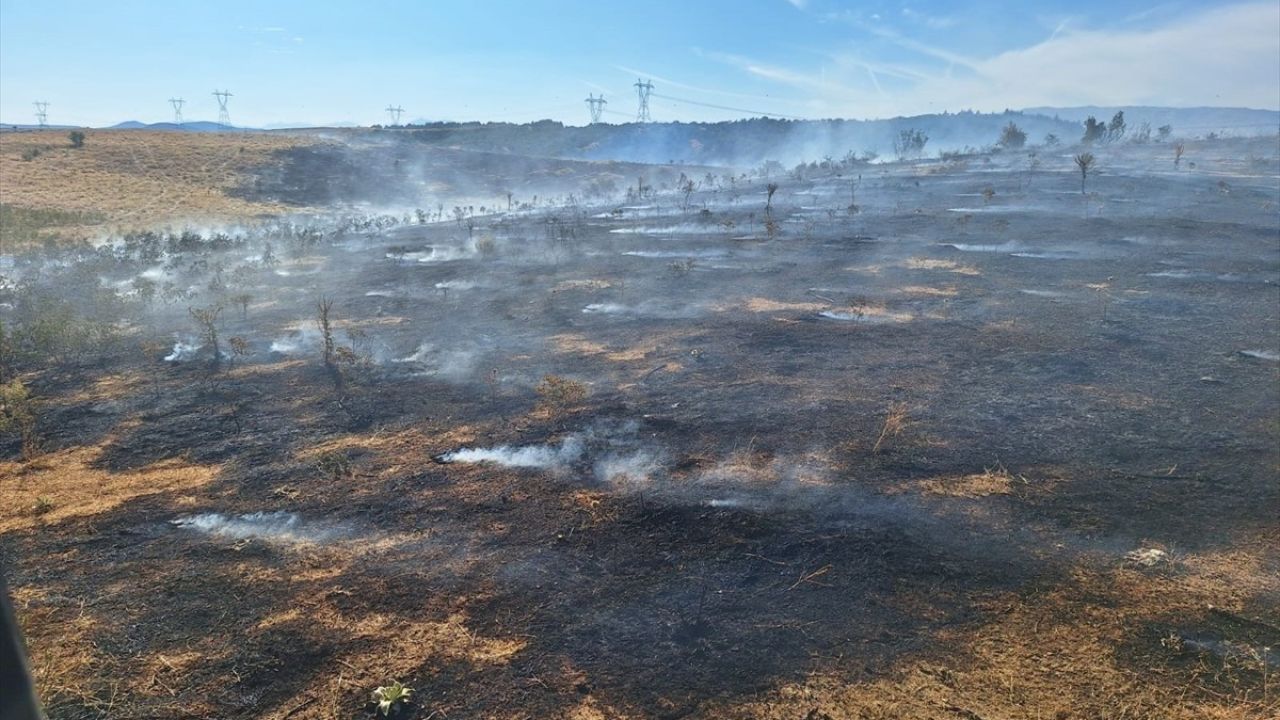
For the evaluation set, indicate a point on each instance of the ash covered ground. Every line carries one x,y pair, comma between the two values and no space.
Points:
934,439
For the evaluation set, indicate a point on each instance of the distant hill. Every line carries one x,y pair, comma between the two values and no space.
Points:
737,143
1186,122
194,126
9,127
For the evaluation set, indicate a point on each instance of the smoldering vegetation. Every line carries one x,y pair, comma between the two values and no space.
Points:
620,402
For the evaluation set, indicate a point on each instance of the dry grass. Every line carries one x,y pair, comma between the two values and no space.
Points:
66,484
992,481
896,420
919,263
138,179
1066,653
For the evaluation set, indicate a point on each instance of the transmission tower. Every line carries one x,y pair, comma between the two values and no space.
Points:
224,117
596,105
395,113
643,88
42,112
177,104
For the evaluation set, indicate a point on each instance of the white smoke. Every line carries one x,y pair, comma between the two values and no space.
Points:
275,526
544,457
629,471
183,352
297,342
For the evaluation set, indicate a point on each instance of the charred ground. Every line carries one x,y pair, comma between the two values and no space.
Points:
883,447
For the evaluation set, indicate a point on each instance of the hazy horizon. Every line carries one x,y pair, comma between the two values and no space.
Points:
309,65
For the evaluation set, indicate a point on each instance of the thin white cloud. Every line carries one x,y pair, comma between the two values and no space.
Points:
934,22
1226,56
801,4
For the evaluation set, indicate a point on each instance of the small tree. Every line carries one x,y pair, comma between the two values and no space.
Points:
771,188
1012,137
77,138
1084,161
1178,150
207,325
909,144
1163,132
243,300
1094,131
324,308
1116,128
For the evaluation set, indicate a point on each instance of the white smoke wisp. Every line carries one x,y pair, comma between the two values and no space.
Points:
784,483
297,342
183,352
275,526
454,364
634,471
541,457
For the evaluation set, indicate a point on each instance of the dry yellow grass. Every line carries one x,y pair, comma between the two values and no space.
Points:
138,179
66,484
1057,655
918,263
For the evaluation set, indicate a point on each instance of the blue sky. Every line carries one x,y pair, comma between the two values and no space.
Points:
325,61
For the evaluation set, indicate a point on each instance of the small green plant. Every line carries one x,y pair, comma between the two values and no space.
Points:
77,138
391,698
43,505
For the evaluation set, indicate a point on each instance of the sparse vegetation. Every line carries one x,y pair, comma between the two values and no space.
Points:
206,319
1012,137
18,415
559,394
909,144
1094,131
1084,162
896,420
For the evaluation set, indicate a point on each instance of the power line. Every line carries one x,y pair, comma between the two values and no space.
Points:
730,109
177,104
42,112
395,113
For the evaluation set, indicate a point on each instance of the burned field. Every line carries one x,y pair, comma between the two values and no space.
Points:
946,440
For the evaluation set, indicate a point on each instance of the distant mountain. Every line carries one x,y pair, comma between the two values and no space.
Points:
194,126
1187,122
6,127
308,125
